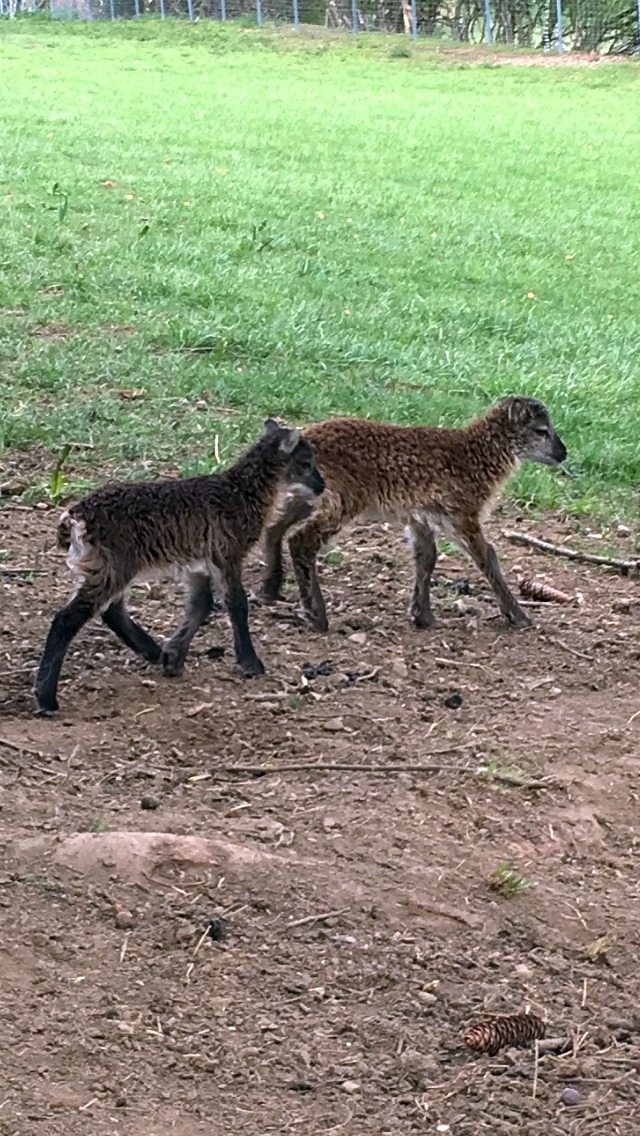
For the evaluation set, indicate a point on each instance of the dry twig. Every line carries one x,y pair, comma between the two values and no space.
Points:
24,749
570,650
317,918
623,566
318,767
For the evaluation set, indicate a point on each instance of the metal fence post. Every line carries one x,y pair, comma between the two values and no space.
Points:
69,9
223,10
259,13
296,19
414,20
112,9
560,41
638,27
189,9
162,9
354,16
487,24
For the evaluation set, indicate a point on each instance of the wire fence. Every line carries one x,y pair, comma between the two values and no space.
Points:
602,26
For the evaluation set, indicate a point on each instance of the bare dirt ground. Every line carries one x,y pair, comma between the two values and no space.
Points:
301,1021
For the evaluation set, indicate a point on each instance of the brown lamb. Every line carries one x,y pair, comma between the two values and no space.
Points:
434,480
198,529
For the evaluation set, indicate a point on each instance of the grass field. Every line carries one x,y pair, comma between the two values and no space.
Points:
202,225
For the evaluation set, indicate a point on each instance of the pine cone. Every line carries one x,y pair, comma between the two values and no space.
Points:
495,1033
543,593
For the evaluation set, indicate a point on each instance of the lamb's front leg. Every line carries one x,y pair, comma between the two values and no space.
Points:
238,609
296,510
485,557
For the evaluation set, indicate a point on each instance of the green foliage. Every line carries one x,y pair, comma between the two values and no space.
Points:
251,223
506,881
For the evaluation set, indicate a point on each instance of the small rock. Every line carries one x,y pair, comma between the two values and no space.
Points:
570,1097
400,668
623,606
217,930
624,530
461,586
453,701
461,607
123,918
315,670
350,1087
523,971
333,725
215,652
149,802
358,637
426,997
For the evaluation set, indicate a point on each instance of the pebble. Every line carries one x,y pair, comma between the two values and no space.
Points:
359,637
350,1087
217,930
333,725
149,802
570,1097
453,701
123,918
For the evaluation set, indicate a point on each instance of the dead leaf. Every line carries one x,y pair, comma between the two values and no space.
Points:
599,947
132,393
193,710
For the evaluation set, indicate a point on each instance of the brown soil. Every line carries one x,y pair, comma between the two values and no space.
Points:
124,1019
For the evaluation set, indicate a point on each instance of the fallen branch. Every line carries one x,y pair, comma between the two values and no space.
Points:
623,566
565,647
553,1045
25,749
266,770
315,918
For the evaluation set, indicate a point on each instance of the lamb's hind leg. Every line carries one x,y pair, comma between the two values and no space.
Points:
424,555
64,627
304,547
485,557
296,510
118,620
199,605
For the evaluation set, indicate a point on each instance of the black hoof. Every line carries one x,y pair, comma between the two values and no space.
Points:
171,666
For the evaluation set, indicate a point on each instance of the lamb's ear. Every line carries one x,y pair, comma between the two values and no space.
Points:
289,440
519,409
270,427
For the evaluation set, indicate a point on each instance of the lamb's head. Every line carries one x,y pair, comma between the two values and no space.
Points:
532,434
299,471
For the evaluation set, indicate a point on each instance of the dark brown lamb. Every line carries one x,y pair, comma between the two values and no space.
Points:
432,479
197,529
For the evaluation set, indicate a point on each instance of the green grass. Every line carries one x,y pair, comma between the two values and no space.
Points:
308,227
